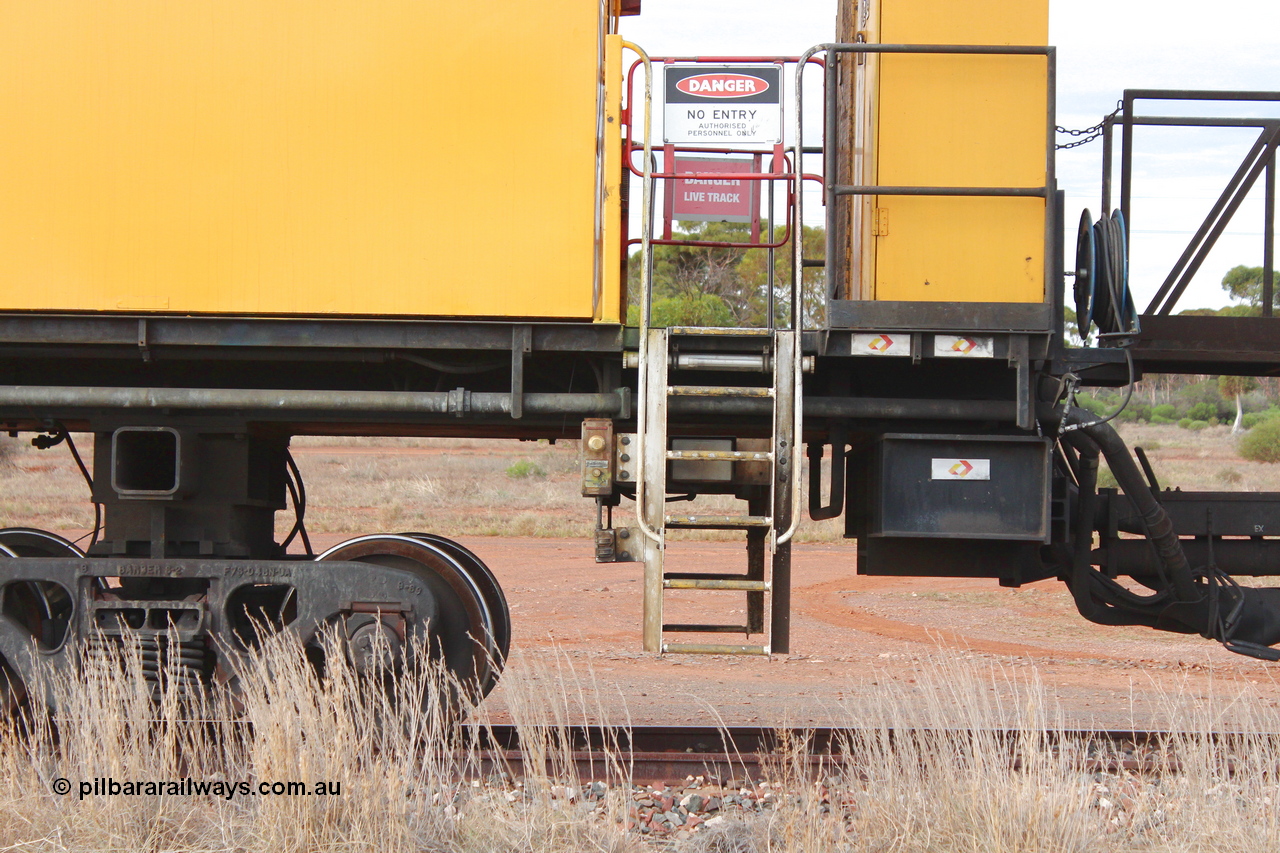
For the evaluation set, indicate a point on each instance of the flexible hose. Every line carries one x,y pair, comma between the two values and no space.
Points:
1157,522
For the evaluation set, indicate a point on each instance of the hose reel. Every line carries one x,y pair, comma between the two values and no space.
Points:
1102,295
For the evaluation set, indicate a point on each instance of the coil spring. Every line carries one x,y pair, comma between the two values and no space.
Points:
178,666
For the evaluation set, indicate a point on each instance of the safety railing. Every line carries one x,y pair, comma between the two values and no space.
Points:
833,190
782,167
1260,160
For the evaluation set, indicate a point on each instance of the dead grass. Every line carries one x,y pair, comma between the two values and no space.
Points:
1200,460
927,772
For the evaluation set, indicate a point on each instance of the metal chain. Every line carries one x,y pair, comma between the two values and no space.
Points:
1092,132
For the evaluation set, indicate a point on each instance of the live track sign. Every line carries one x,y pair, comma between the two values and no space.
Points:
726,105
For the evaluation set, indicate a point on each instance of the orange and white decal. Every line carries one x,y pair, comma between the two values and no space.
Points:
888,343
961,469
964,346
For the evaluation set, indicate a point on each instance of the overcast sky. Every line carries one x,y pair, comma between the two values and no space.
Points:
1104,46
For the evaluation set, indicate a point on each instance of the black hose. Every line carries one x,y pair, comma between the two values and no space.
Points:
1245,620
88,478
1150,513
298,492
1085,580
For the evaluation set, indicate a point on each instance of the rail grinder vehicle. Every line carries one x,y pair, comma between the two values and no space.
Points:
226,223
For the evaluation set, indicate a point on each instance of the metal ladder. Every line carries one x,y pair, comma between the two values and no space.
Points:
769,522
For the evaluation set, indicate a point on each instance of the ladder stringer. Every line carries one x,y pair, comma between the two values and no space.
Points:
786,482
652,494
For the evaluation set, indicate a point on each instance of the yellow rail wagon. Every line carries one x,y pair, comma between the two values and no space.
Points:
289,158
228,223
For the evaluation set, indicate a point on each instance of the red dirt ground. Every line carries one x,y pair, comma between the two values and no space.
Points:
855,640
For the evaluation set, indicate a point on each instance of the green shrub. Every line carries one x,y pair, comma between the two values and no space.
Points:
524,469
1134,412
697,309
1197,425
1106,480
1202,411
1262,443
1185,422
1252,419
1161,419
1202,392
1165,410
1091,403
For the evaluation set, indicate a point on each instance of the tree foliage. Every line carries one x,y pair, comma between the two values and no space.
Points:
1245,283
702,286
1231,387
1234,388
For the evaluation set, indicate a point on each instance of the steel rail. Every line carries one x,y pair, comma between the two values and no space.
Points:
745,754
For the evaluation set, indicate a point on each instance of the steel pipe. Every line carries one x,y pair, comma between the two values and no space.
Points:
459,402
742,362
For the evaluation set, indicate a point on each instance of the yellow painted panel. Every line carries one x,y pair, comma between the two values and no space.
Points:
973,22
973,258
956,121
371,157
612,306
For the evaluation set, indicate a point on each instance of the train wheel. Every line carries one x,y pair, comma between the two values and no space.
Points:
43,608
489,588
462,636
29,542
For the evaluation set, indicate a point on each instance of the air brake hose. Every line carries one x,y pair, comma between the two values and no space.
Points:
1158,524
1083,576
1246,620
1087,471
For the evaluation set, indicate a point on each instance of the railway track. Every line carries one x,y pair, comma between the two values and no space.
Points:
665,754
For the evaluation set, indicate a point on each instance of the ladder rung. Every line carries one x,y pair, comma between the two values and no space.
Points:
707,629
714,583
718,522
720,331
729,361
712,649
712,576
722,455
717,391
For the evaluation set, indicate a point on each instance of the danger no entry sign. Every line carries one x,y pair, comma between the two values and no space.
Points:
726,105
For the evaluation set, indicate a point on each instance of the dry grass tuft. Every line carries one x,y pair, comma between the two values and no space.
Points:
928,770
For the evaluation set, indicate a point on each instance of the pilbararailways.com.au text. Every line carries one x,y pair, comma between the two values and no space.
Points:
188,787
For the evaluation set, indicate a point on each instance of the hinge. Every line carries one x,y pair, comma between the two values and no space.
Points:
880,222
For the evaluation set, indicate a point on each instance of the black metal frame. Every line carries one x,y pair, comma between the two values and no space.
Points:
329,374
1261,158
